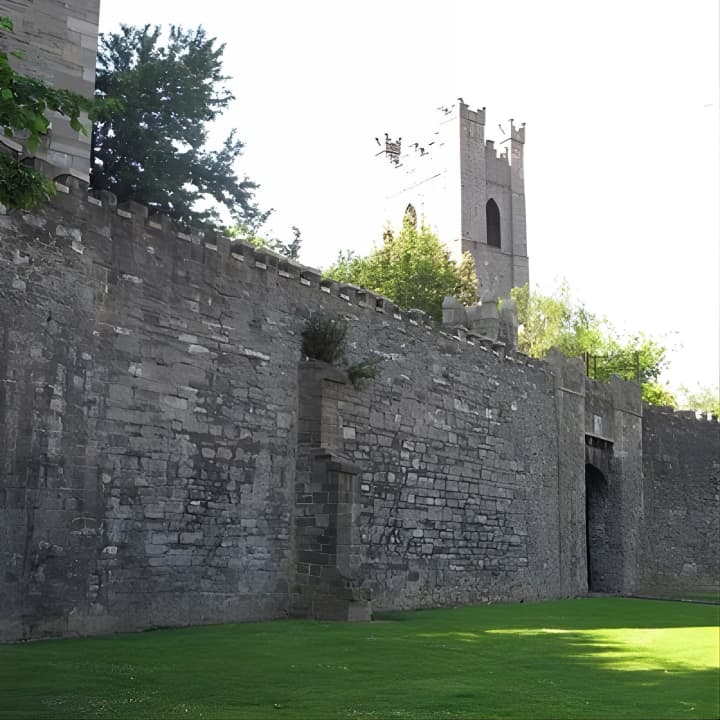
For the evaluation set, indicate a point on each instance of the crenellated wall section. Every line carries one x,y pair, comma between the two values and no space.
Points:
167,458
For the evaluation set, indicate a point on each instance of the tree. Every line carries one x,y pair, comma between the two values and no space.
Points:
412,268
557,320
153,152
24,104
704,398
547,321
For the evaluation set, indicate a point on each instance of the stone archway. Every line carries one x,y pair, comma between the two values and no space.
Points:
601,558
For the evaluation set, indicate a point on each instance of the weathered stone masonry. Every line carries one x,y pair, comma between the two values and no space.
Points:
166,458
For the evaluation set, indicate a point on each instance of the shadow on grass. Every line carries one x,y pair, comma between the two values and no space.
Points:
591,658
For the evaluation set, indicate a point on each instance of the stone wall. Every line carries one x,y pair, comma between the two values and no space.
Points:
147,426
59,42
166,458
458,457
681,531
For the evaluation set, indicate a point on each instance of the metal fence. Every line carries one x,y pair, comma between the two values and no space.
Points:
600,367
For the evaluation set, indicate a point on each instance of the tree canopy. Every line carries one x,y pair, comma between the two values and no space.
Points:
558,320
154,151
703,398
412,268
24,105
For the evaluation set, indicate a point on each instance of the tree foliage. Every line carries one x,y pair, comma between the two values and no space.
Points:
557,320
24,106
412,268
703,398
154,151
547,321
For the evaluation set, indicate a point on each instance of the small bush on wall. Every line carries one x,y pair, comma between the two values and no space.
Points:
323,337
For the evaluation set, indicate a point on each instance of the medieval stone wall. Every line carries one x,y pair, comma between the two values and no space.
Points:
147,434
458,472
681,531
166,459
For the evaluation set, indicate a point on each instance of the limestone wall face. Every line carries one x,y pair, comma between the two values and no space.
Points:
681,531
160,466
59,40
459,473
147,420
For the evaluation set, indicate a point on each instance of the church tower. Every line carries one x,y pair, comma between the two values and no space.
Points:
469,193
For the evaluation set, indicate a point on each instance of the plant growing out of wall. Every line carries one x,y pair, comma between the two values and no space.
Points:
323,338
365,369
25,104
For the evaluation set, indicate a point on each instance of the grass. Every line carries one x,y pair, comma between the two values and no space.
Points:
711,597
588,658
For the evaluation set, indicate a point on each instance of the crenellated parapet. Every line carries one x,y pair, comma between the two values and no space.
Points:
169,458
492,320
490,326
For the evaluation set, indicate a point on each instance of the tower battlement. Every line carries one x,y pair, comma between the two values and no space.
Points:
465,112
517,133
470,190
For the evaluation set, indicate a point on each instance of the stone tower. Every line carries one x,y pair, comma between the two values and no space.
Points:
59,40
473,196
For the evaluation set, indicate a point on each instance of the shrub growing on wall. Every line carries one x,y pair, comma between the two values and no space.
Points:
323,337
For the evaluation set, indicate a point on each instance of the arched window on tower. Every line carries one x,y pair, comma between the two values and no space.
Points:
492,218
410,217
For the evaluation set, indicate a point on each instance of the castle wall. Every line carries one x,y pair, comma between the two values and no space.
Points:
147,422
149,434
681,532
59,40
459,473
161,463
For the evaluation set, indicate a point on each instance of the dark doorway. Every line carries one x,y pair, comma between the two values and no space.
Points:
492,218
599,555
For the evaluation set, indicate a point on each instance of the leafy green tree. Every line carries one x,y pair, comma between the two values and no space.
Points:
154,151
703,398
412,268
547,321
24,105
656,394
557,320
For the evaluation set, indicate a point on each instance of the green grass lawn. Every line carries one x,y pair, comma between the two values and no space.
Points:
588,658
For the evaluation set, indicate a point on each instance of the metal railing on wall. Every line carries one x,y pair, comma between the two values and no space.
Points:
600,367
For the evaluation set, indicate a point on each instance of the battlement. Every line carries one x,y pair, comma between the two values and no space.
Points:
492,152
158,414
517,134
682,415
159,237
477,116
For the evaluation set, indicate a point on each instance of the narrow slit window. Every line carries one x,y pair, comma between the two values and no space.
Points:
410,217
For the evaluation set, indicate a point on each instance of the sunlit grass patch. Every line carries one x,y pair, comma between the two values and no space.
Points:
666,649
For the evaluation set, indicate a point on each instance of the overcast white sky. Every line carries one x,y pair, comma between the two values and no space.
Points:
620,100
